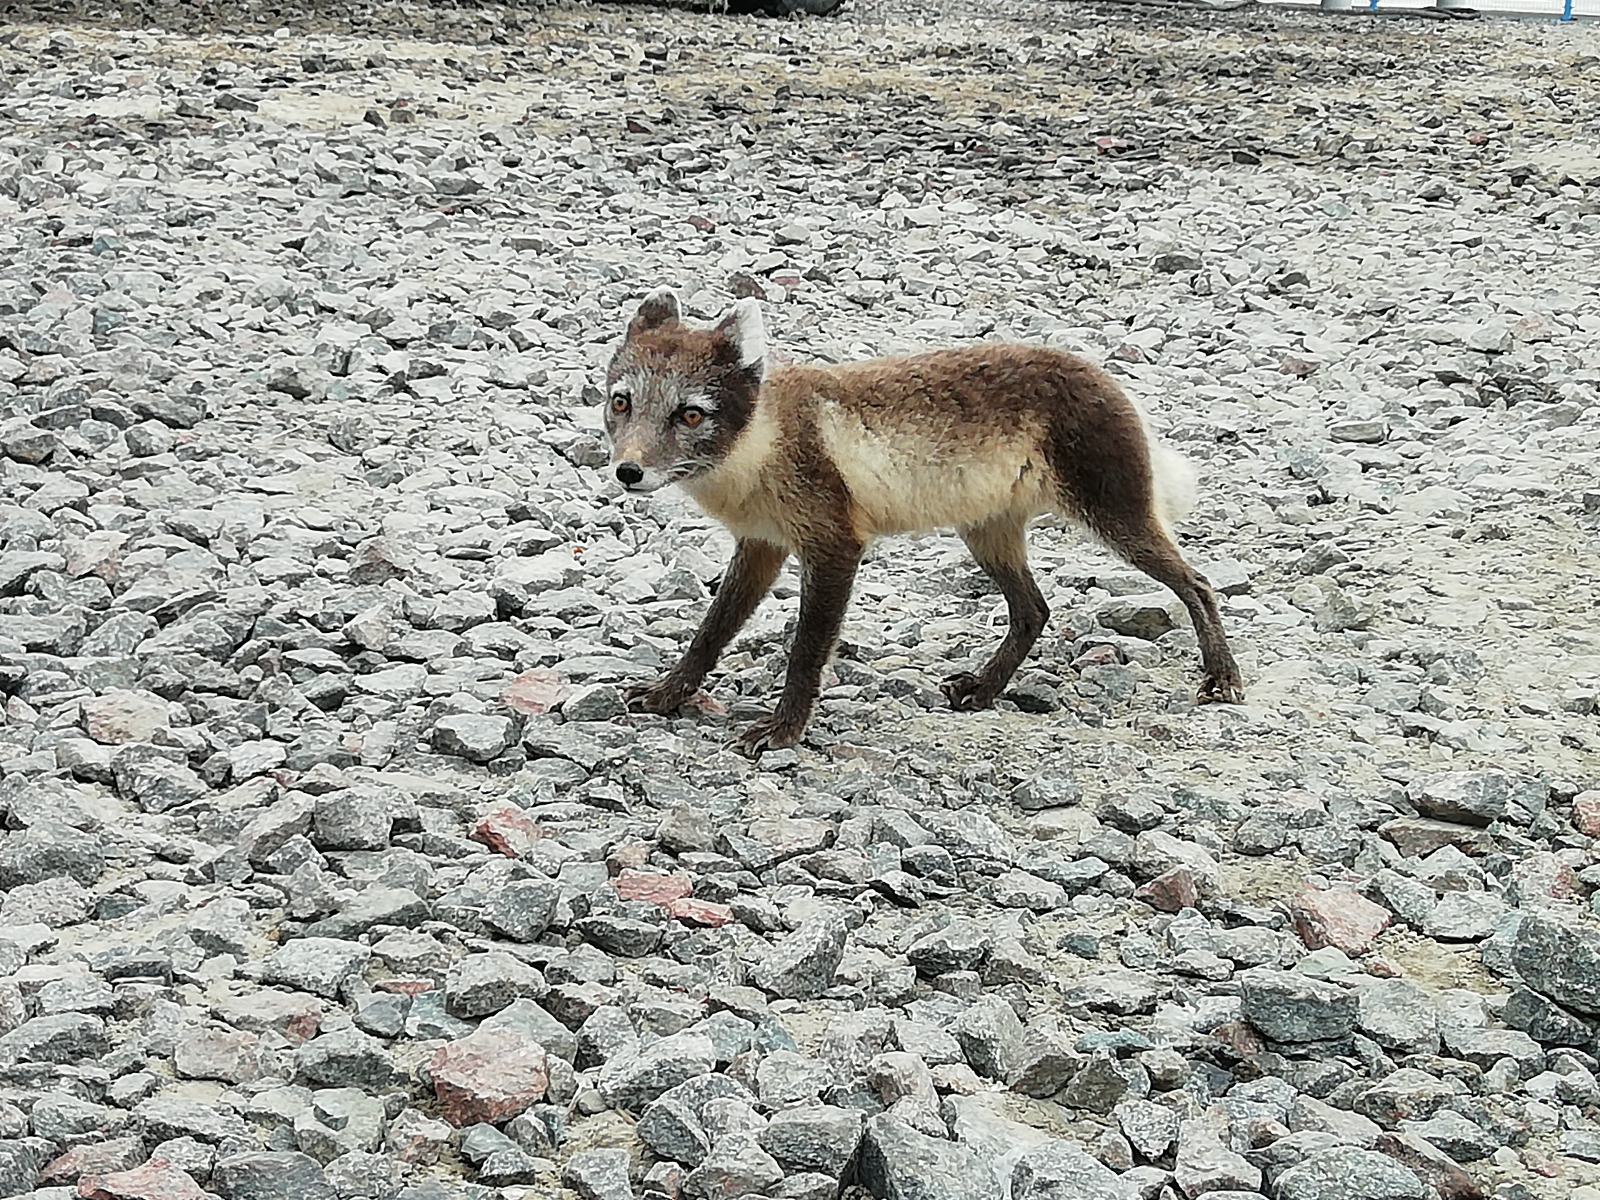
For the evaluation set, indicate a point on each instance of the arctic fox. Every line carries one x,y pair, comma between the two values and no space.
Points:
817,461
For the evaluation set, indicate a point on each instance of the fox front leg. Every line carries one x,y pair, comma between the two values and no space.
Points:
826,579
748,578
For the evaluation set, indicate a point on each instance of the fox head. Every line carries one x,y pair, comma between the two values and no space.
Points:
677,397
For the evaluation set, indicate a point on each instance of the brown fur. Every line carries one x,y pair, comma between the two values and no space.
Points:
828,458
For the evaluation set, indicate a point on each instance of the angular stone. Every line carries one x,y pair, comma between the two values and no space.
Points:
736,1166
1559,959
1337,917
959,946
818,1138
1464,916
271,1175
1150,1128
598,1174
899,1163
230,1055
1059,1170
1288,1007
990,1036
1205,1164
346,1056
157,1179
58,1038
1398,1015
488,1076
802,965
1349,1173
477,738
632,1080
480,984
1468,797
120,715
316,964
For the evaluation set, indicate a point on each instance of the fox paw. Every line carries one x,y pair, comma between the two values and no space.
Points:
966,692
769,733
664,695
1226,688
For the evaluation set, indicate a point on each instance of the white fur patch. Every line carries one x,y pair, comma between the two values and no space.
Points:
905,480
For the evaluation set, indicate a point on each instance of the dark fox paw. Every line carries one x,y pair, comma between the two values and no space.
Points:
1226,688
967,692
769,733
664,695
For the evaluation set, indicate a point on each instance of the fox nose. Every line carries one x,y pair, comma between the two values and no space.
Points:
629,473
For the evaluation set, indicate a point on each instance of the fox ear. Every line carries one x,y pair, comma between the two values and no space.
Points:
660,307
743,328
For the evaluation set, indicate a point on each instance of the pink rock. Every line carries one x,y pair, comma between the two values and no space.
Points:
1337,917
507,829
1586,814
124,716
699,912
157,1179
534,692
96,553
647,885
1542,878
489,1075
1171,891
1097,656
98,1158
226,1054
404,987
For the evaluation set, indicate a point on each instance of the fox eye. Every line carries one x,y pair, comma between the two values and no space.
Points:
692,416
620,403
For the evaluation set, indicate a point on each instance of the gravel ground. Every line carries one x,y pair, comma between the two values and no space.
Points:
331,865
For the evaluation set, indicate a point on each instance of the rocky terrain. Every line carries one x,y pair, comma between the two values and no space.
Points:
331,864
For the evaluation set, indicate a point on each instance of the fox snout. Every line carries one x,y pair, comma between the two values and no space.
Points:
628,465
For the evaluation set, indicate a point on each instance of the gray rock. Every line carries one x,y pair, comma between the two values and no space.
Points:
818,1138
59,1038
672,1130
803,964
1469,797
598,1174
522,909
959,946
373,906
899,1163
1460,1138
1150,1128
1545,1021
1560,960
316,964
633,1080
271,1175
1205,1163
164,1118
1349,1173
480,984
346,1056
1061,1171
990,1036
1103,1082
1288,1007
736,1166
477,738
1464,916
1398,1015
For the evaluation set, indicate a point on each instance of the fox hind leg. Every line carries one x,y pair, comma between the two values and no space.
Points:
1000,548
1146,545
